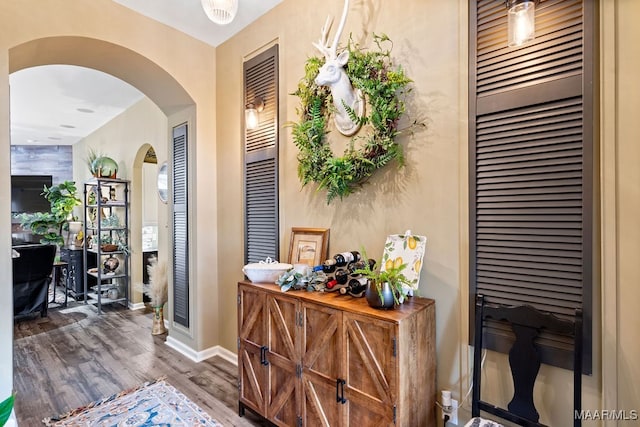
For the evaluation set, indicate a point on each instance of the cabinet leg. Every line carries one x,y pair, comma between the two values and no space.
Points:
241,409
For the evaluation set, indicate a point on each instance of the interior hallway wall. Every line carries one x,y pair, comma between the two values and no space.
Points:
174,70
121,138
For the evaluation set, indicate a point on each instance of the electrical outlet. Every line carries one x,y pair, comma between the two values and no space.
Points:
453,416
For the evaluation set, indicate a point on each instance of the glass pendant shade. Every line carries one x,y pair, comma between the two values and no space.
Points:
252,113
221,12
251,118
521,22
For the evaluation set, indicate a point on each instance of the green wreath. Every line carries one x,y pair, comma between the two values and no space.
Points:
382,85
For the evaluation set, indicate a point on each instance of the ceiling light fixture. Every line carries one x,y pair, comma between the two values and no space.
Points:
251,113
220,12
521,21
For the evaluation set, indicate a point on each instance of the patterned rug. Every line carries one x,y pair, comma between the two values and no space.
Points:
152,404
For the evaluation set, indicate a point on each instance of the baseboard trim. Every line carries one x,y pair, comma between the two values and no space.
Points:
199,356
136,306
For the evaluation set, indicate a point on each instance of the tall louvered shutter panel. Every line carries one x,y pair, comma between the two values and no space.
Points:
261,159
531,165
180,226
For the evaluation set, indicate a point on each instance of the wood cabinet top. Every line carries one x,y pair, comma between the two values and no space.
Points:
349,303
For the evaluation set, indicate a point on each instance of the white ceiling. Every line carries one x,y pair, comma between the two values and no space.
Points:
61,104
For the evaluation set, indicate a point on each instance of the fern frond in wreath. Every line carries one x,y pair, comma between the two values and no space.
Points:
383,87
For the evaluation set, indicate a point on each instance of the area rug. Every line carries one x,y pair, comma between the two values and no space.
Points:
152,404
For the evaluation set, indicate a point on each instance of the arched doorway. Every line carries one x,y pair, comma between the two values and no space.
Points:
159,86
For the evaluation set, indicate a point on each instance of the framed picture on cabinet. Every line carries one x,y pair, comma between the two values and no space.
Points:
308,245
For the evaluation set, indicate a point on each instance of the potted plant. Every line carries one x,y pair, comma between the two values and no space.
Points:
385,289
50,225
100,165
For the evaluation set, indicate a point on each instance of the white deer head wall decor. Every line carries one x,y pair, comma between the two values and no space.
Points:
332,74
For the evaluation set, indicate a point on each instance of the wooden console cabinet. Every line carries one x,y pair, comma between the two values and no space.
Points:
324,359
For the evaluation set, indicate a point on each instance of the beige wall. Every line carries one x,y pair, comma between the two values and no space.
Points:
621,206
423,197
126,139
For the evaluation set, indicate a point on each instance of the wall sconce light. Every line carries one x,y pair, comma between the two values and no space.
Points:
251,113
220,12
521,21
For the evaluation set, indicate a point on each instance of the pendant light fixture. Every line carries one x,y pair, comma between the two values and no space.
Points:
220,12
252,113
521,21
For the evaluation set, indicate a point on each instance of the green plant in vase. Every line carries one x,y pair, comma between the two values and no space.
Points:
381,282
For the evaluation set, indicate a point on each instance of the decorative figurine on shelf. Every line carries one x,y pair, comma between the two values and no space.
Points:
110,265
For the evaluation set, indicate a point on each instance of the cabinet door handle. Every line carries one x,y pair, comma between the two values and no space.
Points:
263,355
340,391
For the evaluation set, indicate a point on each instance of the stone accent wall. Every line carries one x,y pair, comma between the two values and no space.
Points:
55,160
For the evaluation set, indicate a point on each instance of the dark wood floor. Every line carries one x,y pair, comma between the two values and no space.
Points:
74,357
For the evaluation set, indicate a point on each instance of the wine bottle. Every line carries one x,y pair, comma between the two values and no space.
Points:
329,266
344,258
342,276
356,287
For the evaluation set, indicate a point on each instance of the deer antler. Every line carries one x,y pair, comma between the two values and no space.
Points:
345,10
330,52
322,44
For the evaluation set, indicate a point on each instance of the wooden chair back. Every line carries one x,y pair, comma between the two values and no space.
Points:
524,359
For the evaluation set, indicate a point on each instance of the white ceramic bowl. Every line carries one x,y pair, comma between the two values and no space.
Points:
266,271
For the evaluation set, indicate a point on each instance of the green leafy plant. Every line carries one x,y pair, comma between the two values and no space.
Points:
117,235
383,86
6,406
50,225
312,281
392,275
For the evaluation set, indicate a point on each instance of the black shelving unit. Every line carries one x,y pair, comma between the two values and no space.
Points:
106,224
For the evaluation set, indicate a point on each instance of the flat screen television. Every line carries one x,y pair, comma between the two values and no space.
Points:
26,193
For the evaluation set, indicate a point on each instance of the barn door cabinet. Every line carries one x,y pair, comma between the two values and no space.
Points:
323,359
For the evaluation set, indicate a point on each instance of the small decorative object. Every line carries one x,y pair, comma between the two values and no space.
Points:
163,183
385,289
157,291
111,264
108,247
383,86
112,294
267,271
308,245
104,167
309,279
406,249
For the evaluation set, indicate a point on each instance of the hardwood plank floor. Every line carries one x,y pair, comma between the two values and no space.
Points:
73,357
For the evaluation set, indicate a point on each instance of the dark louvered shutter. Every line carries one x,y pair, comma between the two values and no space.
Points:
180,227
261,159
531,165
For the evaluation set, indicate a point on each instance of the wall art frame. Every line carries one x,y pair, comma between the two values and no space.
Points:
308,245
